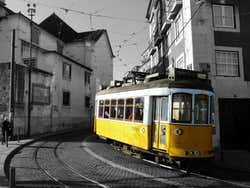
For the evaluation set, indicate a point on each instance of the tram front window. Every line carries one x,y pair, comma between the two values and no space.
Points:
201,109
182,108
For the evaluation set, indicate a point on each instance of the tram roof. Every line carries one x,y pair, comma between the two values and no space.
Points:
188,84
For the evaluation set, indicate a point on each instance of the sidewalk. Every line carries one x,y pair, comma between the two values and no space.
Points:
4,152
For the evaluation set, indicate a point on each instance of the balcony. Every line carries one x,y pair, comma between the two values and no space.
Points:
173,7
157,36
165,26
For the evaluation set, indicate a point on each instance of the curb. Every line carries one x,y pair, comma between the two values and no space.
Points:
19,148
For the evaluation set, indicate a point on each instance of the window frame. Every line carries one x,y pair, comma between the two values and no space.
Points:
134,109
195,109
191,108
178,28
222,16
87,76
35,35
106,105
20,85
118,107
113,106
238,64
69,103
64,75
180,57
131,113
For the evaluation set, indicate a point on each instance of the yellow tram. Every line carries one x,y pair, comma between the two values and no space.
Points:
172,118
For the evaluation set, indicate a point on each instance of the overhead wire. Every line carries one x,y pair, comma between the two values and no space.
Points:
122,43
86,13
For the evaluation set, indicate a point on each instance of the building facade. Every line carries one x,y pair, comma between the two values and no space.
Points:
210,36
62,82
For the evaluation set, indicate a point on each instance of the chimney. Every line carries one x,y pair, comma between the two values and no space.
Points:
2,3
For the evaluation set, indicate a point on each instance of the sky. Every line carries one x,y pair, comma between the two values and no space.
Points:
127,26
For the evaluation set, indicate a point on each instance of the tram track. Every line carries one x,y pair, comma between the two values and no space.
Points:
70,167
66,166
53,178
70,161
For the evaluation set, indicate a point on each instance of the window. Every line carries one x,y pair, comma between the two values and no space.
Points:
139,103
59,45
66,98
155,59
152,27
87,78
169,39
223,16
180,62
20,82
190,67
113,110
35,35
227,63
31,62
201,109
87,101
25,53
178,27
106,109
66,71
120,109
101,107
164,109
182,108
129,110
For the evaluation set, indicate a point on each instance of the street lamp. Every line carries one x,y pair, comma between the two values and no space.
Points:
31,13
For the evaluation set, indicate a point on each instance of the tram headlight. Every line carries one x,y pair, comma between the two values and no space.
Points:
178,132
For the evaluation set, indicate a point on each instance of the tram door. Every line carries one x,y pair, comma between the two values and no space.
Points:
160,123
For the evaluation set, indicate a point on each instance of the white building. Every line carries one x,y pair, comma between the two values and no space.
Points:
211,36
62,89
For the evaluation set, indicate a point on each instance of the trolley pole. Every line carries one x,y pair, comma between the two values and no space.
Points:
31,13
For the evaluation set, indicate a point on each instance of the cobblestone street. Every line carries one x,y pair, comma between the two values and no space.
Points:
82,160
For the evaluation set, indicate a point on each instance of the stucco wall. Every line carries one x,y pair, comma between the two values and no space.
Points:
4,87
79,52
46,117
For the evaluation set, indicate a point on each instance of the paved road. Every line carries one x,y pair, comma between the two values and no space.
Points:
82,160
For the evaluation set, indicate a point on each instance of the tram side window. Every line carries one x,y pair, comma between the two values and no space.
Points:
106,109
113,110
201,109
101,107
182,108
139,103
120,109
129,110
164,109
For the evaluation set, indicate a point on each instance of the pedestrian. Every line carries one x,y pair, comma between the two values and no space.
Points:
5,128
